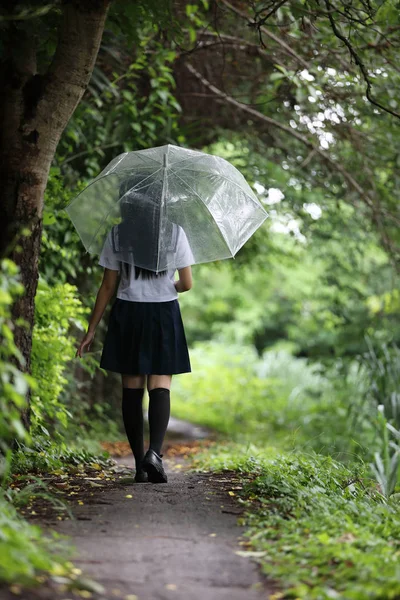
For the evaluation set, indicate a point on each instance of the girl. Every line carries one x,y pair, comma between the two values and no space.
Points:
145,337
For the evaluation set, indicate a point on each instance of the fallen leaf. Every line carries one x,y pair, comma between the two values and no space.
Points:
126,480
84,593
170,586
129,496
60,579
84,584
95,466
249,553
59,570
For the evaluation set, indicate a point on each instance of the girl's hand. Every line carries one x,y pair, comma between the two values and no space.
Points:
85,343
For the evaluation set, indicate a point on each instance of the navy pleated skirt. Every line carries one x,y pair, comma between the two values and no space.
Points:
145,338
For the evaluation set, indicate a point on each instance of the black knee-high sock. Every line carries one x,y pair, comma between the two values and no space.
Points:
132,414
159,412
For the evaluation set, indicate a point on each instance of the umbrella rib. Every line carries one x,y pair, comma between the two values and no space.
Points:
116,165
204,204
162,207
147,158
182,160
258,204
136,187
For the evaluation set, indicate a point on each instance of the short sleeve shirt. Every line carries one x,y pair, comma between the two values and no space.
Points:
156,289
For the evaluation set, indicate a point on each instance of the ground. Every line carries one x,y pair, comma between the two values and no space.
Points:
178,540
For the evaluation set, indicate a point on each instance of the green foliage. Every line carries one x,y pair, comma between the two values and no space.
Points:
27,552
321,283
24,551
224,392
276,397
14,384
53,347
35,488
134,108
46,454
386,465
381,369
61,256
317,526
126,20
91,425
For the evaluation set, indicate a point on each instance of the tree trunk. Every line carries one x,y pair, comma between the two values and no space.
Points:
34,110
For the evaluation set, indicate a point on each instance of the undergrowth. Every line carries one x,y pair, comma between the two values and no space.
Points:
321,528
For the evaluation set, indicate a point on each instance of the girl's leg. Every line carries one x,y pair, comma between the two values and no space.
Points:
132,414
133,381
158,387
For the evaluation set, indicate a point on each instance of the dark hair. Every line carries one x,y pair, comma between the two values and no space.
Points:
140,216
142,272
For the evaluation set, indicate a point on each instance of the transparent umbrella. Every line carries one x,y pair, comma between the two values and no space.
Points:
142,199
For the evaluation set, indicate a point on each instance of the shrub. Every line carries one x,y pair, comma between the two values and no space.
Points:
13,383
57,308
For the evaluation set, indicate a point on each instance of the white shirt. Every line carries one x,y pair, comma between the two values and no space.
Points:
156,289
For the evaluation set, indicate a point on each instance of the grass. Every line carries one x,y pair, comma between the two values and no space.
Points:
28,555
322,528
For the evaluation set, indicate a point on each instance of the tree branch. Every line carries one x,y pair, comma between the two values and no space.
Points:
358,61
372,204
286,48
260,22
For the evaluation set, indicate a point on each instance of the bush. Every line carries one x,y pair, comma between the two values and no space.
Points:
319,527
53,347
277,397
13,383
224,392
24,550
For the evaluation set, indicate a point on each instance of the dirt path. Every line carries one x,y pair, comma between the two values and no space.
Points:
177,540
169,541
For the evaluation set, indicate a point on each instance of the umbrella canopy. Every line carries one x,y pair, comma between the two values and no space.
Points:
143,198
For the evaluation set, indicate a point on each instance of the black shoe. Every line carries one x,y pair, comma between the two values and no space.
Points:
141,477
153,466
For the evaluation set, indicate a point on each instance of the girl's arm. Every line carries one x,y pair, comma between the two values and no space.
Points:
185,281
104,295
